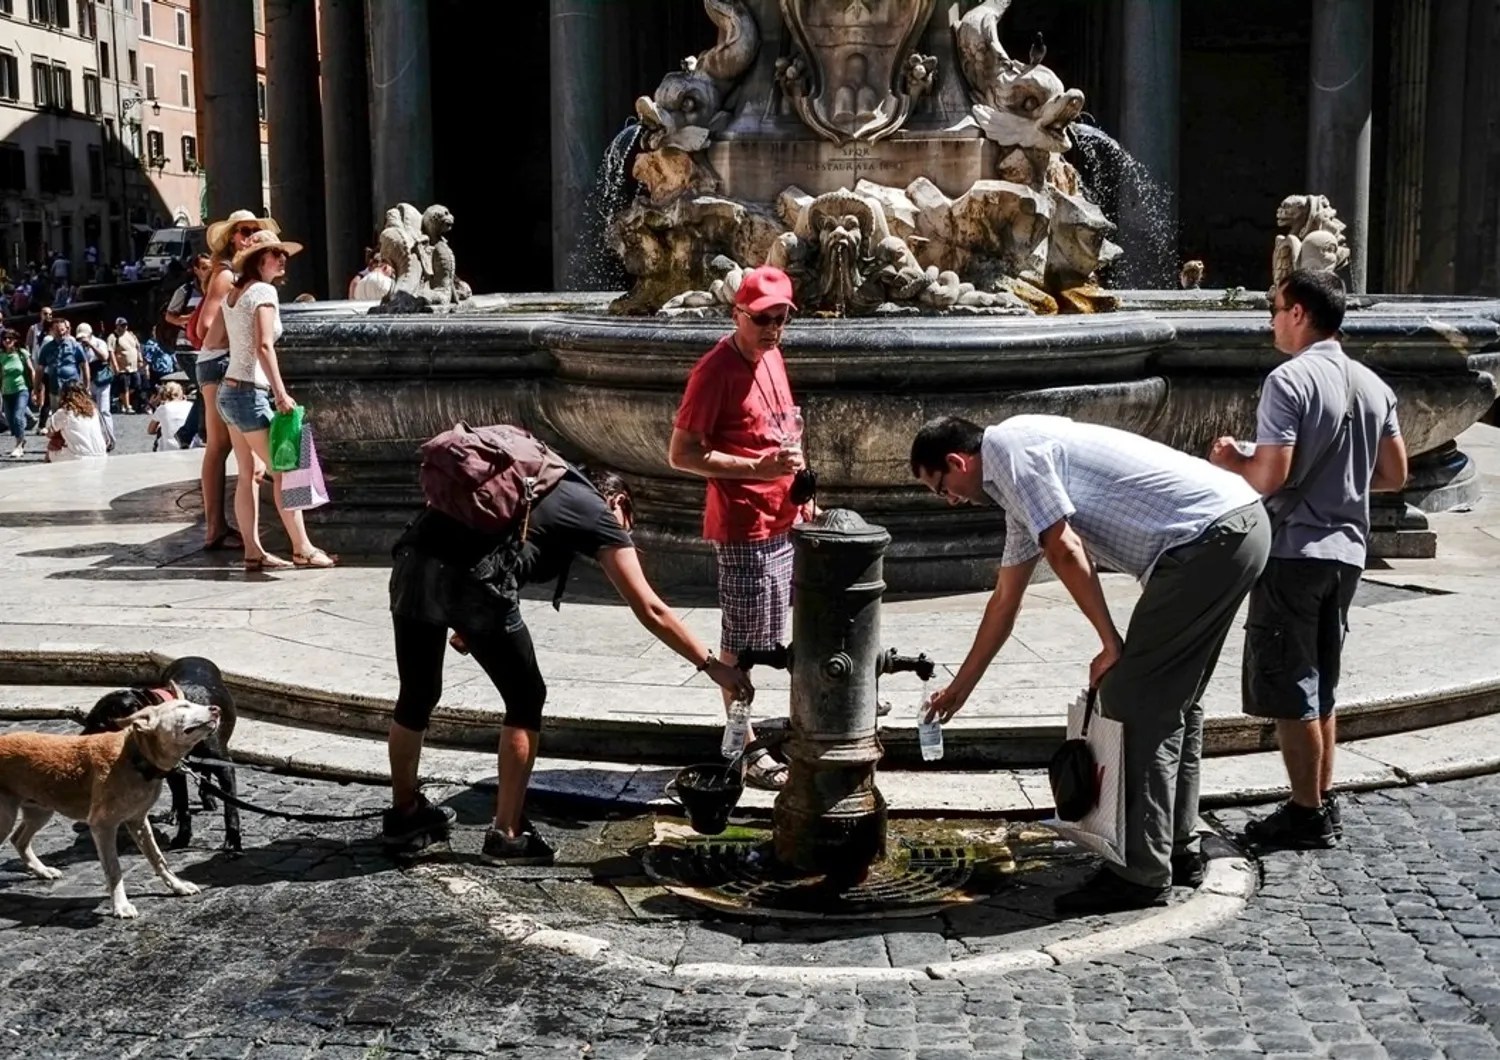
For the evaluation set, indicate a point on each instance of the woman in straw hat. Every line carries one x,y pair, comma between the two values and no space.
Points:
225,239
252,316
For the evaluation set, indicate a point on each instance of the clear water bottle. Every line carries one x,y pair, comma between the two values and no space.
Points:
929,732
736,729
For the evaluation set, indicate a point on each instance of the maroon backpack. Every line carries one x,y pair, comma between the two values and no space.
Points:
489,477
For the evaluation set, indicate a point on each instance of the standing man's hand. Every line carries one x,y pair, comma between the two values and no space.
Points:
1224,452
1105,661
779,464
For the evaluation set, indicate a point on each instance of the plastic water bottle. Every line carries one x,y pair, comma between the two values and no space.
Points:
929,732
736,729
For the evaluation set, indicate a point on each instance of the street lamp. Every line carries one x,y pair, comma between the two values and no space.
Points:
135,101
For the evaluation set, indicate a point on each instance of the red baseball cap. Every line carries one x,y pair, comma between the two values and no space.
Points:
764,288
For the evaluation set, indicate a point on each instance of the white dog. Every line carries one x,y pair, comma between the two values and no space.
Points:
107,780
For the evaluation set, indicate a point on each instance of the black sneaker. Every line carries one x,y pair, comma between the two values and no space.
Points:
421,826
1292,827
528,848
1335,815
1188,869
1107,893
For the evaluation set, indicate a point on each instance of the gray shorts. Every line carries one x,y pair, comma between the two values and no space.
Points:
1294,638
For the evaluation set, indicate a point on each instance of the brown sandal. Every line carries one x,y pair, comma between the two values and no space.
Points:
266,561
317,559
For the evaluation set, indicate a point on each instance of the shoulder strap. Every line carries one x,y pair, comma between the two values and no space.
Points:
1293,496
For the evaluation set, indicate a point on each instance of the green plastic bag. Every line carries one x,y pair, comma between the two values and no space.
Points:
286,440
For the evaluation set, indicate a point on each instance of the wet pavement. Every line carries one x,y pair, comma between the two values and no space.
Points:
314,945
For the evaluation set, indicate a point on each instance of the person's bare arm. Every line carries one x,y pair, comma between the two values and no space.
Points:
1071,562
1390,465
994,630
623,568
691,453
213,300
265,352
1266,471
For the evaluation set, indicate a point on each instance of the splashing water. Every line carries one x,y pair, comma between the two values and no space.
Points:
1123,186
593,266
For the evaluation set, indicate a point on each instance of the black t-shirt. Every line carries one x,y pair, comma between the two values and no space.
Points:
572,520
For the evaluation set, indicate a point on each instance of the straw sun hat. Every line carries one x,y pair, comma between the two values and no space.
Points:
265,239
219,232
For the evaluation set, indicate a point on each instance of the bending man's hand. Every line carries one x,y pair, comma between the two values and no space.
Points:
732,678
1104,661
947,702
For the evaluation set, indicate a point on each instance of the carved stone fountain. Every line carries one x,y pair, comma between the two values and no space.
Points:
884,179
912,177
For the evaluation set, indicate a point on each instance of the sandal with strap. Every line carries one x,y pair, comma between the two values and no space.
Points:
765,772
266,561
317,559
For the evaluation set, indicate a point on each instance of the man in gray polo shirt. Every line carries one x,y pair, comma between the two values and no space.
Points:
1196,536
1326,436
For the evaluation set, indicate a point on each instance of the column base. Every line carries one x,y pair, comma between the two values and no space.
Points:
1442,479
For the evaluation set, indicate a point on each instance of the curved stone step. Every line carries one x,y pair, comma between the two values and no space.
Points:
973,743
1464,748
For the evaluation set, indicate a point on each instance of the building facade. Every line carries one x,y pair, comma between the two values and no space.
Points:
52,160
1391,108
170,128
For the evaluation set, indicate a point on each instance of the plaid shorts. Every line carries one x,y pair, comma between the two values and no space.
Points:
755,592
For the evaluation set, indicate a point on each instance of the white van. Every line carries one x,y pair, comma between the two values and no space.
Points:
172,244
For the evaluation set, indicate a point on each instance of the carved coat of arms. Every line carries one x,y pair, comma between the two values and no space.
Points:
859,81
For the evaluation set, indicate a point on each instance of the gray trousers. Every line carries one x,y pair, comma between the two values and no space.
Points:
1173,643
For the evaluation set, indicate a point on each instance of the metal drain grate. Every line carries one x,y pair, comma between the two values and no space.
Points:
740,877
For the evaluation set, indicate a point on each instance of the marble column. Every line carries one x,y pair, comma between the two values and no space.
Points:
295,132
1150,88
1442,152
580,128
400,66
1338,119
228,116
1477,258
1407,94
346,141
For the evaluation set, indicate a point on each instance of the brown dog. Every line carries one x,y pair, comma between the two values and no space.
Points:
107,780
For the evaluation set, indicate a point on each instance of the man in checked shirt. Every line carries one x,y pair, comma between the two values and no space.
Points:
1196,536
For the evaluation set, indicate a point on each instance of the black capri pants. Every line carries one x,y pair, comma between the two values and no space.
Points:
430,597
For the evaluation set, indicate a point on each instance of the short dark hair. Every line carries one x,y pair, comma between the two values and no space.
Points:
612,484
938,438
1321,296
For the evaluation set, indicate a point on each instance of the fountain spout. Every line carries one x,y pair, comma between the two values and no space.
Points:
777,658
893,663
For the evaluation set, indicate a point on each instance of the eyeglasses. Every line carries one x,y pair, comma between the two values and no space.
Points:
246,230
768,320
1275,309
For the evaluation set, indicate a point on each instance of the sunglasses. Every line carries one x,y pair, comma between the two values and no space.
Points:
767,320
246,230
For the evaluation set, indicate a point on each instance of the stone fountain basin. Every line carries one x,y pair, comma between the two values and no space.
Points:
605,390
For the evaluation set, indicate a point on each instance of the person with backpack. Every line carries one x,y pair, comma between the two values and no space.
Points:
1326,436
460,565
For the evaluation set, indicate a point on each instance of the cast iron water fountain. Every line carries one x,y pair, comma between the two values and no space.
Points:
828,851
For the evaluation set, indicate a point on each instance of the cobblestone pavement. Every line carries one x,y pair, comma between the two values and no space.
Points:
313,945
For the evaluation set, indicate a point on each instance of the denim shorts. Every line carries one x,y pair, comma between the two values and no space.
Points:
210,368
245,408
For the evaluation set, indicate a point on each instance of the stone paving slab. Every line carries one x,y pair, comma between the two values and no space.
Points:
107,552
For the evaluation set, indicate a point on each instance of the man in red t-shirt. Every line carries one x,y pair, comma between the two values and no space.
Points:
738,428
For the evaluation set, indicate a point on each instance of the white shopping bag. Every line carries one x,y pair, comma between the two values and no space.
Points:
1102,829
